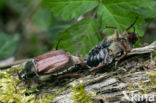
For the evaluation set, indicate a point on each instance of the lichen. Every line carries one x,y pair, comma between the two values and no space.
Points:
10,92
144,87
80,95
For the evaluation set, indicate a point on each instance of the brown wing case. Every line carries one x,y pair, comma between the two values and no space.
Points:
52,62
50,54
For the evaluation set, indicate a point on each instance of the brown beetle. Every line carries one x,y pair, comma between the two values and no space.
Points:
54,63
113,47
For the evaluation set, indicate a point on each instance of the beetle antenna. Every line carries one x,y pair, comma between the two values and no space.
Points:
58,44
134,29
132,24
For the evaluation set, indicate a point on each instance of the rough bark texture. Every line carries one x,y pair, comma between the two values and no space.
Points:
109,86
133,75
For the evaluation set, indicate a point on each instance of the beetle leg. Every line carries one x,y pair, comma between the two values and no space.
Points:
127,48
101,65
121,46
117,33
106,56
122,56
102,34
56,48
125,52
116,30
110,27
106,27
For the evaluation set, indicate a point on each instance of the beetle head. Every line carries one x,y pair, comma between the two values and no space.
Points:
131,36
28,71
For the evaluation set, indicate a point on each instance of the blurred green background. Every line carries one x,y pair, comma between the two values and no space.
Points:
31,27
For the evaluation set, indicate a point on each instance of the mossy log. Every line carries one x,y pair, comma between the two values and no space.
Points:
135,77
132,80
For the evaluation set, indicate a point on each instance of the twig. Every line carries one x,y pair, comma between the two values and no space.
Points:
14,63
147,49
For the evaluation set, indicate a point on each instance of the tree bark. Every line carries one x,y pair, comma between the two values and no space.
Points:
133,78
121,84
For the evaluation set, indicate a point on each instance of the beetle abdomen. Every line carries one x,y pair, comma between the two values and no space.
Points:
94,59
98,54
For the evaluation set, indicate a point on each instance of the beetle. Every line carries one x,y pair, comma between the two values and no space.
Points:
114,47
54,63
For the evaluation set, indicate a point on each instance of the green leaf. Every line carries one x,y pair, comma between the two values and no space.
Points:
80,37
118,13
8,44
69,9
42,18
57,26
148,9
2,4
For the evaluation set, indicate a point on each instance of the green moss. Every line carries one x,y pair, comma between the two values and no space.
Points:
14,70
10,92
134,69
144,87
80,95
152,76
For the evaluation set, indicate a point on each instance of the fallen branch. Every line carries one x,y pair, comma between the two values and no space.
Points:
147,49
121,84
112,86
